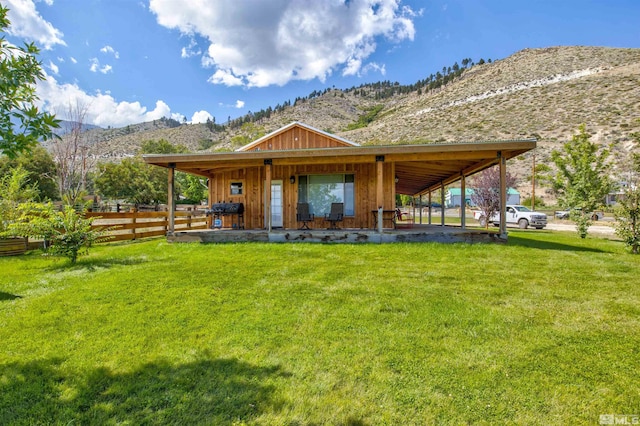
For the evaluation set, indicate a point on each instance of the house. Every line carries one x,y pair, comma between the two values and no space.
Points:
453,198
299,163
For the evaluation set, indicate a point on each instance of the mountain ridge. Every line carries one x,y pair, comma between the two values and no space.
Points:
544,93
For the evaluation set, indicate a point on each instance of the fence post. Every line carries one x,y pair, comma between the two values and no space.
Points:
133,221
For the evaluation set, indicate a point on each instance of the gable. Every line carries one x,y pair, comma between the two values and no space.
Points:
297,136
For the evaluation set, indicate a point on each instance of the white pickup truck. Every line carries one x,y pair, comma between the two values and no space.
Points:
516,214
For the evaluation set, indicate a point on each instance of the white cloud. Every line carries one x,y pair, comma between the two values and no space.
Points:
239,104
190,50
28,23
60,59
109,49
257,43
74,60
226,78
95,66
201,117
102,109
53,67
374,67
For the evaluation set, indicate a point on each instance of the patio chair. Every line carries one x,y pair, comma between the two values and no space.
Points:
336,215
304,216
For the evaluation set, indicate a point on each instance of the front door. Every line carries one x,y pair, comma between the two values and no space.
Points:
276,204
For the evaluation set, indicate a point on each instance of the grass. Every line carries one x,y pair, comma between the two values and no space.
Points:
543,330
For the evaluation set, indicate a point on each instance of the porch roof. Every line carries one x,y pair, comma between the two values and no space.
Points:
419,168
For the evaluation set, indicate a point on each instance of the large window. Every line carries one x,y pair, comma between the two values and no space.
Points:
322,190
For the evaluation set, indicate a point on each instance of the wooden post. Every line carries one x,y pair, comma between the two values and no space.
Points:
171,202
133,221
442,203
420,209
429,207
379,181
503,195
267,198
533,183
463,202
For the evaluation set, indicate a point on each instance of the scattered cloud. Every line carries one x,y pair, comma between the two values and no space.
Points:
74,60
191,49
95,66
279,41
201,117
374,67
109,49
53,67
28,23
102,109
239,104
60,59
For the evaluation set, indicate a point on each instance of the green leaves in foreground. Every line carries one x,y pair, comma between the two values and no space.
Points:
66,233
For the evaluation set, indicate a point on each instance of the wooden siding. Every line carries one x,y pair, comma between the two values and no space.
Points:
253,192
297,138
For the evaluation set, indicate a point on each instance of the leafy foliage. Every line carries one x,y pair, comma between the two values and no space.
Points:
132,180
486,195
67,233
582,180
21,124
41,171
627,212
14,189
366,118
135,181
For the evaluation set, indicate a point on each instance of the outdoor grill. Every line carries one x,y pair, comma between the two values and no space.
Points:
235,210
225,209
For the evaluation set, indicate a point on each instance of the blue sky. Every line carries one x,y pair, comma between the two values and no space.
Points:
128,61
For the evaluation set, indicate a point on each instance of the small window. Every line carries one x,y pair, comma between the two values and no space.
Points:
236,188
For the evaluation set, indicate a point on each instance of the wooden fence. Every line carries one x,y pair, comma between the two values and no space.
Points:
134,225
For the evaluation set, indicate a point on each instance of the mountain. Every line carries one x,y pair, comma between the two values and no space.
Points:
543,93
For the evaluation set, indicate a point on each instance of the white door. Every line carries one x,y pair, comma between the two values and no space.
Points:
276,204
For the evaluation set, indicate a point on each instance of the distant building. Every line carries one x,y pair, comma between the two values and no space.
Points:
453,197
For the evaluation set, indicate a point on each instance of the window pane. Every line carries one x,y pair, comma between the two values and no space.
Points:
322,190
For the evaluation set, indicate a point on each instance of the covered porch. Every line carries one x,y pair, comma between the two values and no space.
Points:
417,233
298,163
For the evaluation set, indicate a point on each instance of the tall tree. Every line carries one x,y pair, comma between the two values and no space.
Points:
627,211
486,191
582,180
22,125
41,168
71,156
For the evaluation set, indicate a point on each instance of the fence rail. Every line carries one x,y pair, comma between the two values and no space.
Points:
134,225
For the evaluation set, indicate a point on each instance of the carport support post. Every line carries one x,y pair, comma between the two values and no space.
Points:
503,195
442,203
171,202
380,181
463,201
429,198
267,195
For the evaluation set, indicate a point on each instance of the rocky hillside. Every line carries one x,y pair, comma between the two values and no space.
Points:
542,93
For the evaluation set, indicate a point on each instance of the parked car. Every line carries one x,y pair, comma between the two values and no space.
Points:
516,214
565,214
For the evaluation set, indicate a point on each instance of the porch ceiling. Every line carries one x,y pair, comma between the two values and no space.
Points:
419,168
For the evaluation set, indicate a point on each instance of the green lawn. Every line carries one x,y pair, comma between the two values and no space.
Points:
544,330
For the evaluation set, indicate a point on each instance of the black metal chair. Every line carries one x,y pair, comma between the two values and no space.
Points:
304,216
336,215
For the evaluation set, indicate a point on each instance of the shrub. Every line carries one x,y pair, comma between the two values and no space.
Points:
66,233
